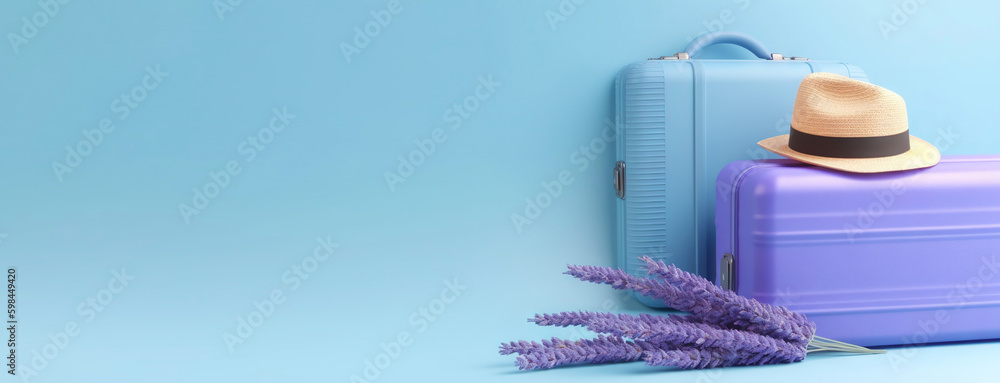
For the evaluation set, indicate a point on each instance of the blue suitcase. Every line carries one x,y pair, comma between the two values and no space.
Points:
679,121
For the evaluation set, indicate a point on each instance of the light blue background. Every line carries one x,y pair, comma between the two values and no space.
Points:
324,175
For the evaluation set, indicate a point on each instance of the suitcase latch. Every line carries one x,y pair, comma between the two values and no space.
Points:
727,271
619,180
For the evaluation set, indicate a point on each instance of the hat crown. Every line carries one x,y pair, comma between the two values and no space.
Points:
832,105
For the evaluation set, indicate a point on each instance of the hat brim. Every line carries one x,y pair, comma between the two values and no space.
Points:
921,155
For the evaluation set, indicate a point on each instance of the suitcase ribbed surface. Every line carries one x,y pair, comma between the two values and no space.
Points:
645,138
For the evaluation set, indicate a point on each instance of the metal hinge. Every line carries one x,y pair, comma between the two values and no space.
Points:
677,56
779,56
619,180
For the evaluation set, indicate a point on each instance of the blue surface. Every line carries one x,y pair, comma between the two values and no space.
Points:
192,281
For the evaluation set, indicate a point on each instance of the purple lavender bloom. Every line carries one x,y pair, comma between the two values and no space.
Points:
705,301
676,331
709,336
642,327
727,309
520,347
685,358
692,358
621,280
558,352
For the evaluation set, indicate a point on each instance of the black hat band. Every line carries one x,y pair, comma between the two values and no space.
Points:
849,147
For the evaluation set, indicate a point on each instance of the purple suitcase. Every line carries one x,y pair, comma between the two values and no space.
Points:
904,258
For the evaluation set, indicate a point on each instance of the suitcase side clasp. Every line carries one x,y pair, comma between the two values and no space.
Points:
727,271
619,179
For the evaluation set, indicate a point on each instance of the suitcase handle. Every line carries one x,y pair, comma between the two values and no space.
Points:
740,39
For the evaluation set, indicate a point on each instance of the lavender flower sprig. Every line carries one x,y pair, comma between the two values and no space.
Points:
724,329
704,300
731,310
559,352
692,358
677,331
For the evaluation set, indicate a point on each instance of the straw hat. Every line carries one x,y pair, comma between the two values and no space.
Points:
851,125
